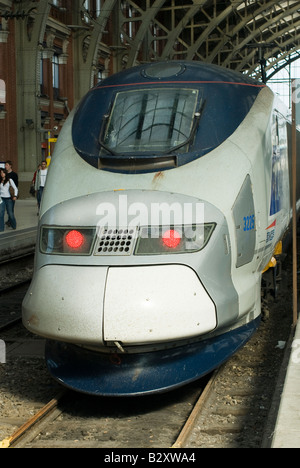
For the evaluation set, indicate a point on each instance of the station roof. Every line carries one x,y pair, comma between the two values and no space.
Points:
241,35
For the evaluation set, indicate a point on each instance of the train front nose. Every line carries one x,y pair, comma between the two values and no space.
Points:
133,309
148,282
155,303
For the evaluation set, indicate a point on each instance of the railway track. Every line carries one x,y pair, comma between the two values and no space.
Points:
71,420
15,277
15,270
11,298
57,417
230,410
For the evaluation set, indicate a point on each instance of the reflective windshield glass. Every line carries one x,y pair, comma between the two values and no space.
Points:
155,120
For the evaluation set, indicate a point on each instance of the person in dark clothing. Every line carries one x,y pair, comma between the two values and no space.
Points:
11,174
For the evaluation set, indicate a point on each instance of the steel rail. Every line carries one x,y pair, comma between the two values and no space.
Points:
12,287
190,422
10,324
28,425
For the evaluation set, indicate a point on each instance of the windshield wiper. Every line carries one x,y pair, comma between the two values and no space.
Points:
106,148
197,117
100,140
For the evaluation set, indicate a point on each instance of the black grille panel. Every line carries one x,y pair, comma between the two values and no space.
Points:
115,241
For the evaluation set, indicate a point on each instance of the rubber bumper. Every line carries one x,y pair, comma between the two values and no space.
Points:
107,374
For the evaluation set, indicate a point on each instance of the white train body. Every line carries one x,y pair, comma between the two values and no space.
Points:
140,304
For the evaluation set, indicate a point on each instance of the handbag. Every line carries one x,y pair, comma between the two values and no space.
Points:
11,191
32,190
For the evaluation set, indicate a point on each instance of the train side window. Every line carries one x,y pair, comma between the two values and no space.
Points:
279,164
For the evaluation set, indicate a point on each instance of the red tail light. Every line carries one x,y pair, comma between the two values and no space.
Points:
158,240
67,240
74,239
171,238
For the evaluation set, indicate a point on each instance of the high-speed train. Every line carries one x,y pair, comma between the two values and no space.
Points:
166,197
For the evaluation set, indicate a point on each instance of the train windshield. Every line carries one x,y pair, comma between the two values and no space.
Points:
150,120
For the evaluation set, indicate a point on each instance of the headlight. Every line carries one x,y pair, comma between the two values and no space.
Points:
177,239
145,240
67,240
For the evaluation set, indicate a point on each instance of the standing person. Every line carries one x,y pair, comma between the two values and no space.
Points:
11,174
32,186
35,174
40,182
14,176
7,201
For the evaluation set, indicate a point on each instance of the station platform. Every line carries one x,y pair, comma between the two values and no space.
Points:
287,427
14,243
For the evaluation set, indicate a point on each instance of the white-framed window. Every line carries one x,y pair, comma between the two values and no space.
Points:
93,7
55,75
2,92
98,8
